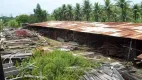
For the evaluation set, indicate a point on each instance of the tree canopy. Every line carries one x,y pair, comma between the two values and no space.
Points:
40,14
119,11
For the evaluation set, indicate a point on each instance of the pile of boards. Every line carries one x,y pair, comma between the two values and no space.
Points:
109,72
18,43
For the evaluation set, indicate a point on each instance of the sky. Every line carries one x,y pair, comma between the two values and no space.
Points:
17,7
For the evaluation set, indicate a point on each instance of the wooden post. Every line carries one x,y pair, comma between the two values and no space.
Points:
1,70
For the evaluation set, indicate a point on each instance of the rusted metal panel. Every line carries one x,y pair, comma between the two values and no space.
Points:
116,29
139,57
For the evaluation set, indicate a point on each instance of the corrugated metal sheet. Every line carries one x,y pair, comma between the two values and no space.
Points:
116,29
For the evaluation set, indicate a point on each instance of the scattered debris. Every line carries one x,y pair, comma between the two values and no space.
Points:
139,57
60,39
114,71
18,43
69,46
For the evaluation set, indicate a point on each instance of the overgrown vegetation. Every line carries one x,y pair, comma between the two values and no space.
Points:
58,65
13,23
1,25
120,11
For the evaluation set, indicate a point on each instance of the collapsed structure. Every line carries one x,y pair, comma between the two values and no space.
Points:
119,39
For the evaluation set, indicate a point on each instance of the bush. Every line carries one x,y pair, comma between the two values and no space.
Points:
1,25
59,65
139,21
22,18
13,23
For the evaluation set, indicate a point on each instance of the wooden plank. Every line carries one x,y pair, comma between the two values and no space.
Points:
128,76
17,55
9,69
11,73
118,75
99,75
28,76
94,77
139,57
5,52
7,65
1,70
19,40
106,76
86,77
89,76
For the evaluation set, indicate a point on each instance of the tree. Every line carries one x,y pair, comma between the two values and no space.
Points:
58,13
69,12
141,10
108,8
78,12
22,18
87,9
121,11
136,11
124,5
63,12
1,25
55,14
13,23
5,19
115,13
40,14
32,18
96,11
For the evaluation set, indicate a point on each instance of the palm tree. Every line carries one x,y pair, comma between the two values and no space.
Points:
40,14
64,9
58,13
108,8
115,11
55,13
141,10
124,5
69,12
136,11
78,12
96,11
87,9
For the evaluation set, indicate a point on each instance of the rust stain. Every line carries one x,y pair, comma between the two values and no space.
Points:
116,29
139,57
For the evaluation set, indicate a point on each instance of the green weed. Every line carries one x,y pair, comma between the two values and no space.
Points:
59,65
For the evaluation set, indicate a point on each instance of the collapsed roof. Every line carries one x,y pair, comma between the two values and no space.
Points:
116,29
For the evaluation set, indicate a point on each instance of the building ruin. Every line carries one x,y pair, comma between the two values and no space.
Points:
119,39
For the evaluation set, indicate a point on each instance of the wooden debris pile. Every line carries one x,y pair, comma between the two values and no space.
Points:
18,43
109,72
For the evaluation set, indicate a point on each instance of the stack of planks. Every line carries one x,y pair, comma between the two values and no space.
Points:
108,73
19,43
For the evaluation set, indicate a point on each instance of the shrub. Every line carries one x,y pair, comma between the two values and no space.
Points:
13,23
59,65
23,18
1,25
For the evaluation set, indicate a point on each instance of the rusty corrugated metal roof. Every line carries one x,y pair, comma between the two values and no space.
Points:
116,29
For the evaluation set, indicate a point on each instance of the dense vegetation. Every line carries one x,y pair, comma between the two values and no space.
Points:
119,11
57,65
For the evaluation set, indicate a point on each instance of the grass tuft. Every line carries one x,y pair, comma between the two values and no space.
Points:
59,65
